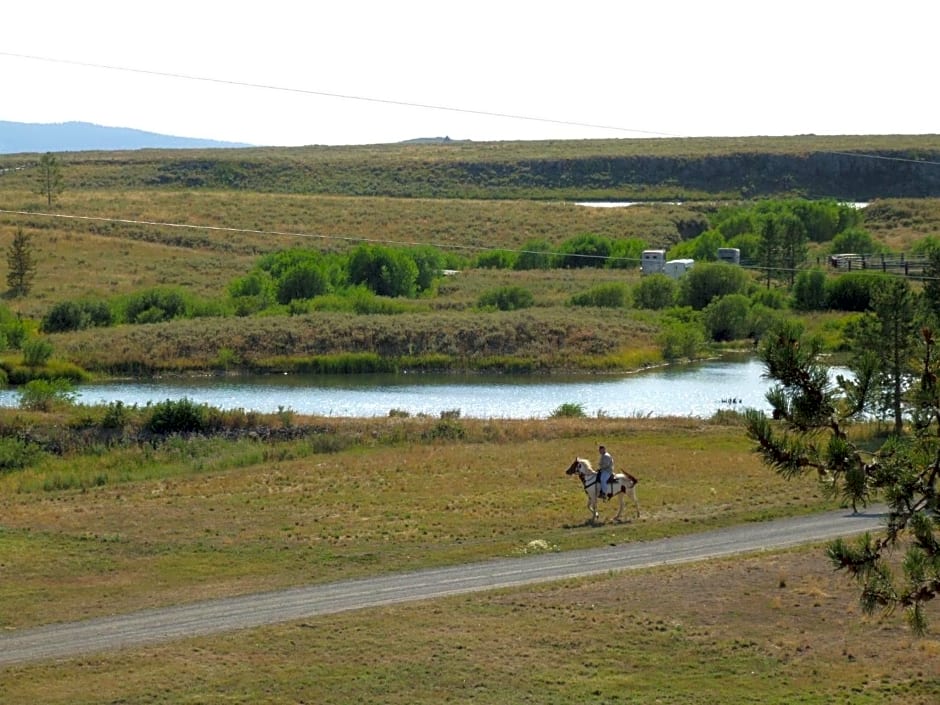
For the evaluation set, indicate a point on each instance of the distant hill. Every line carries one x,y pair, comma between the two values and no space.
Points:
17,137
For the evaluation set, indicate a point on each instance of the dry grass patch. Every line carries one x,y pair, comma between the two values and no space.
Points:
719,632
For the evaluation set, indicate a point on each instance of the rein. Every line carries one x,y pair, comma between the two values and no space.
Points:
587,484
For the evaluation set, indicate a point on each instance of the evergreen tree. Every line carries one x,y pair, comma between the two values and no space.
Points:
21,264
807,433
50,177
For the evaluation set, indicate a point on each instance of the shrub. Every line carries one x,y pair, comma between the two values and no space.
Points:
656,291
611,295
156,305
177,416
64,316
14,332
446,429
680,340
16,454
506,298
36,352
809,290
535,254
727,318
496,259
302,282
569,410
711,280
585,251
45,394
386,271
626,254
76,315
852,291
116,416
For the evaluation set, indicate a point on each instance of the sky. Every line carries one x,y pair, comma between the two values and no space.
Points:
341,72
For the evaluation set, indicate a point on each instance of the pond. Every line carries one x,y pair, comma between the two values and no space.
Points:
696,390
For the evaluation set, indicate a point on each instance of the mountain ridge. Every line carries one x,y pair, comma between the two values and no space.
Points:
76,136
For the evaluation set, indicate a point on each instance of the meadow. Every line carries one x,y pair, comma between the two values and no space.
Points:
187,521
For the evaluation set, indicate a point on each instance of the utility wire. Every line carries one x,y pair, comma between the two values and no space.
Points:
402,103
343,96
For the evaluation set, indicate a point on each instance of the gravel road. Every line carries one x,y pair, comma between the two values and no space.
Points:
57,641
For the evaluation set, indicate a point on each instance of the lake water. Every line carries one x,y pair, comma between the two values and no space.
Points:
697,390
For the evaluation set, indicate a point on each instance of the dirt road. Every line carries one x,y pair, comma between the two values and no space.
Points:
57,641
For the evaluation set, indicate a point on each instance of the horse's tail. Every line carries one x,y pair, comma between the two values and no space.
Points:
631,478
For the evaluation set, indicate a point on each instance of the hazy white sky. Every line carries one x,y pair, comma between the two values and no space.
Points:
275,72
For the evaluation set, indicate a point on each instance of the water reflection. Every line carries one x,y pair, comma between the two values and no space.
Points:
693,390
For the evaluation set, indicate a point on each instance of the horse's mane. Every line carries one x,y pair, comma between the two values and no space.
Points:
586,463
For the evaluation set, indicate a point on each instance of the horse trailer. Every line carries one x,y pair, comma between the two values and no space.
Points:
652,261
675,268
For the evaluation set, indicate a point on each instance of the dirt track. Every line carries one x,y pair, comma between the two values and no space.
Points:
77,638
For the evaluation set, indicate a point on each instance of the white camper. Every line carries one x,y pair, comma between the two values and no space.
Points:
731,255
675,268
652,261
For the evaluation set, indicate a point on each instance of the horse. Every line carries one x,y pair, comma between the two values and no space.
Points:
621,484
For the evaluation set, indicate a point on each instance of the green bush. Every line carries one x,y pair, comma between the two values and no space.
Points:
116,416
506,298
36,352
177,416
156,305
386,271
16,454
535,254
727,318
569,410
613,295
809,290
302,282
852,291
710,280
496,259
679,340
584,251
46,394
656,291
76,315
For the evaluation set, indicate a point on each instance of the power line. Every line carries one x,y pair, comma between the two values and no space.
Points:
408,104
282,233
343,96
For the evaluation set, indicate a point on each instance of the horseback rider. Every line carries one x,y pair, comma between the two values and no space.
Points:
606,469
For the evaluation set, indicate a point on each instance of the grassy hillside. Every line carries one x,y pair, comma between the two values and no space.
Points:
847,168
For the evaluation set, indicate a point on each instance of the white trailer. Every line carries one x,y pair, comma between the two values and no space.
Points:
731,255
675,268
652,261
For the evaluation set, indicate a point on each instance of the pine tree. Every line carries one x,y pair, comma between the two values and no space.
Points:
807,433
50,177
21,264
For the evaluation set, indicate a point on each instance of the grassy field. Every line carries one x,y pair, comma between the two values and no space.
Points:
191,521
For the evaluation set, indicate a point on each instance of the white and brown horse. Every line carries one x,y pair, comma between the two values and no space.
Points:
621,485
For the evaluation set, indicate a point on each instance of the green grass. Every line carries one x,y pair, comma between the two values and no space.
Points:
222,517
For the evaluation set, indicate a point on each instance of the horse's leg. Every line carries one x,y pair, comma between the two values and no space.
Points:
592,507
619,514
636,502
593,499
